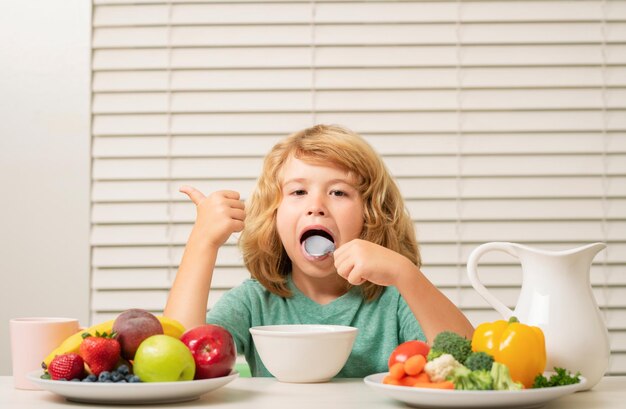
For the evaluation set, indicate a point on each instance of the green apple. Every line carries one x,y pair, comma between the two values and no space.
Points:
161,358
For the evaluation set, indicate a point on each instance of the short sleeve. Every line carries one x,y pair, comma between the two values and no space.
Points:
232,311
410,328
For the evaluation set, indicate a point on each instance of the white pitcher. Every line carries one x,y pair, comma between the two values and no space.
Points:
556,296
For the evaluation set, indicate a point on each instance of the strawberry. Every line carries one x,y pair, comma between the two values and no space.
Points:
68,366
101,352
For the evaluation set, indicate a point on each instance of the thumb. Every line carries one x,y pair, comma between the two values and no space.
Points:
194,194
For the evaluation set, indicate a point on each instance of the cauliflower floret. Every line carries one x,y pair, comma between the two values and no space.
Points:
439,368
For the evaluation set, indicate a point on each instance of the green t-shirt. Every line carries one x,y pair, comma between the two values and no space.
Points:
383,323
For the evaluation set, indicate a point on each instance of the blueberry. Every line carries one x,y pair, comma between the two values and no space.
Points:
92,378
88,379
123,369
104,376
75,380
134,379
116,376
63,379
128,377
123,381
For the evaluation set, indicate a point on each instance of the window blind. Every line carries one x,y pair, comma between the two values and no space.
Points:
500,120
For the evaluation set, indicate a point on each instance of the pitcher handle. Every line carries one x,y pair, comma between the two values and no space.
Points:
472,272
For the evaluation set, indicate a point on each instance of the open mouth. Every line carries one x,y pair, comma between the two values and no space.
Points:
316,232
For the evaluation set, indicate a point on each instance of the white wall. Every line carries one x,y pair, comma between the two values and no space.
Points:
44,161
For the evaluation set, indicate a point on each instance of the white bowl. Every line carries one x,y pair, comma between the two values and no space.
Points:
304,353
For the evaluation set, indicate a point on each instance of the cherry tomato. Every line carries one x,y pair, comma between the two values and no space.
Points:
407,349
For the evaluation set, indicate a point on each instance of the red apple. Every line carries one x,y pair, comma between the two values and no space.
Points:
213,349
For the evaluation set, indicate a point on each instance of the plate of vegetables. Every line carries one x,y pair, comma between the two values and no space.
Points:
451,398
461,373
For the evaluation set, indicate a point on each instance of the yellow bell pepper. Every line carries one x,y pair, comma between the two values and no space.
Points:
522,348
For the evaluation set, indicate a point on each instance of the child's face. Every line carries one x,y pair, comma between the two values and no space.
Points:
321,198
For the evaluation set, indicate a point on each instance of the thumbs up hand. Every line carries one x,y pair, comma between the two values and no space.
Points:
218,215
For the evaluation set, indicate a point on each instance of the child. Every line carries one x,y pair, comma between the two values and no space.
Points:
325,180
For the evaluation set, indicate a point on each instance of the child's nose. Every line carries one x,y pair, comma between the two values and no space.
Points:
316,211
316,206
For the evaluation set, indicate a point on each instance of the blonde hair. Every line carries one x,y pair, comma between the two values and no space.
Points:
386,221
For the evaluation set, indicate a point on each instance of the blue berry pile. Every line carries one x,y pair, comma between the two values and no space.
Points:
120,375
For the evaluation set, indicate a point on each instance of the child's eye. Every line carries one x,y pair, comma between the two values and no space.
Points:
338,193
298,192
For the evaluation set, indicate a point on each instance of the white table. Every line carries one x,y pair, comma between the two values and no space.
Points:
267,393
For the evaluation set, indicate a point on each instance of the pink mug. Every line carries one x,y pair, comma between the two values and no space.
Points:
32,339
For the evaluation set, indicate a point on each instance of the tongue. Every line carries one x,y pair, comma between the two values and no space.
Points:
318,246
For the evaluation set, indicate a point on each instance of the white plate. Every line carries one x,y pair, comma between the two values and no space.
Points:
436,398
131,393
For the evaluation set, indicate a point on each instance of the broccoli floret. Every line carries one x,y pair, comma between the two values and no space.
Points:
502,378
434,354
562,377
467,380
479,361
452,343
482,378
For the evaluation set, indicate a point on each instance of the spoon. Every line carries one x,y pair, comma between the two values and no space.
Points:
318,246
